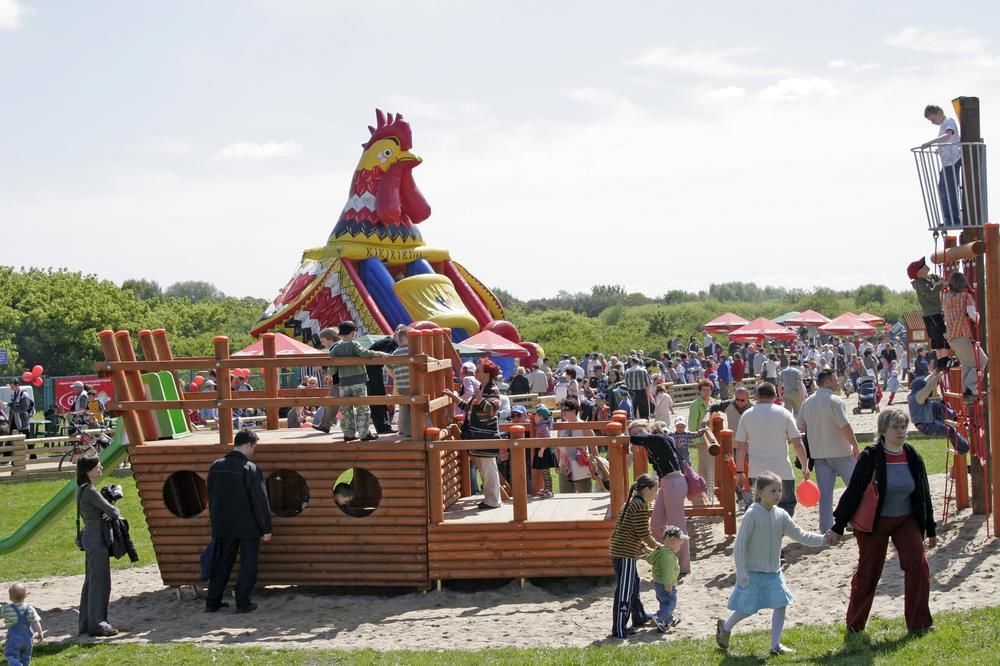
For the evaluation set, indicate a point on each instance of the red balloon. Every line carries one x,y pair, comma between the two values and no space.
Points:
27,376
246,372
37,371
504,329
807,493
198,380
38,381
424,325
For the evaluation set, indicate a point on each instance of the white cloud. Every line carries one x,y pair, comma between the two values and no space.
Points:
949,42
722,63
731,92
248,150
170,146
843,63
11,13
795,88
600,98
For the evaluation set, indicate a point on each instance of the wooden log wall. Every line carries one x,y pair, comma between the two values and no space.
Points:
451,476
519,549
319,546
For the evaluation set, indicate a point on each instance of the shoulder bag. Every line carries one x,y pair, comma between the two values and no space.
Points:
863,519
79,533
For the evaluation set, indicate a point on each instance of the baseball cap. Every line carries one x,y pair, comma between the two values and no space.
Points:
680,419
519,409
543,411
914,267
469,365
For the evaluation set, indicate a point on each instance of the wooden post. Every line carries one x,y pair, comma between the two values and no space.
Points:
147,421
438,379
147,346
128,416
640,461
435,481
270,380
224,384
518,477
959,469
416,343
618,467
726,482
992,317
19,458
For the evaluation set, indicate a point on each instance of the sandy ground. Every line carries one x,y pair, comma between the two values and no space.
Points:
567,612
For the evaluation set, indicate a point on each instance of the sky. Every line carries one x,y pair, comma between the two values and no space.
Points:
653,145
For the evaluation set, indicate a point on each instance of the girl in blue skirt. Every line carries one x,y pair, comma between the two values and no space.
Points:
757,551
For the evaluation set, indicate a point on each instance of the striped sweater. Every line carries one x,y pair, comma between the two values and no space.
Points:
632,530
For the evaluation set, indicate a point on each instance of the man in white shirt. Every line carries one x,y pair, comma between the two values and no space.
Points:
538,380
793,386
763,434
950,152
832,443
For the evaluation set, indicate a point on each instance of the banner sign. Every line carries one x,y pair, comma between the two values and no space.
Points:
66,396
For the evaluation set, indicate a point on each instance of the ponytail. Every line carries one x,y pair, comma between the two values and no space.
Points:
641,482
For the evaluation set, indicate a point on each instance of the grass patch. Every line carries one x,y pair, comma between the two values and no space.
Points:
961,638
53,553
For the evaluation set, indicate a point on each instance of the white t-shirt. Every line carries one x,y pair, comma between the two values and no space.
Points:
949,151
766,428
662,406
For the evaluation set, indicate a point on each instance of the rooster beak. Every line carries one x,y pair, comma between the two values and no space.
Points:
407,156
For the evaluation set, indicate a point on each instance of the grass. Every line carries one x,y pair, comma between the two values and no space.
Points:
961,638
53,553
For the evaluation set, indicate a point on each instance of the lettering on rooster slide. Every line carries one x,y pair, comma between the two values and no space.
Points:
392,255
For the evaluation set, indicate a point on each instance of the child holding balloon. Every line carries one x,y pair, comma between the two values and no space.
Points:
757,551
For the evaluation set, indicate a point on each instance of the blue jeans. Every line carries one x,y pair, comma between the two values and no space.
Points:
827,470
668,602
948,186
938,427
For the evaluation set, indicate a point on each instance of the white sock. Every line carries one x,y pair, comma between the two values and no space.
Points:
777,625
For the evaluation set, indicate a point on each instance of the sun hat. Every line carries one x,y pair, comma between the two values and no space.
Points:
469,365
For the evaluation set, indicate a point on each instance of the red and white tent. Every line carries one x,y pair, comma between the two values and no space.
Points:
761,329
869,318
495,345
807,318
283,344
725,323
847,324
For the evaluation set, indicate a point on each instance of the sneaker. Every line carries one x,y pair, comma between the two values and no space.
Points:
321,428
483,506
370,437
721,635
674,622
661,626
349,439
249,608
780,649
969,397
962,447
215,609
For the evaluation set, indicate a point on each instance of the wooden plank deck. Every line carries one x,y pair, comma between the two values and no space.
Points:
561,507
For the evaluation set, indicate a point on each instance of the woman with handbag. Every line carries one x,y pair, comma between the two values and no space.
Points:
668,508
889,497
481,423
94,509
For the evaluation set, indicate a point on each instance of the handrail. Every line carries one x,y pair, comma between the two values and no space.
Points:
261,362
953,199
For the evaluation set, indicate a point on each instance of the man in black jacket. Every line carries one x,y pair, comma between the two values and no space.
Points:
241,517
376,386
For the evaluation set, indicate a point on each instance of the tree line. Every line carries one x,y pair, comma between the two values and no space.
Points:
52,316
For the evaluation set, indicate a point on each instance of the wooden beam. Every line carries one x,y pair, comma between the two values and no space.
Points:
992,316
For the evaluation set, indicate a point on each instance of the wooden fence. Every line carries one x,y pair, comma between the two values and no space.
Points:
20,465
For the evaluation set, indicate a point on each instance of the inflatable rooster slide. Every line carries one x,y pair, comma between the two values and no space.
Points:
375,269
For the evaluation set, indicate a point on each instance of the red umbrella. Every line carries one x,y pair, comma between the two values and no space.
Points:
869,318
725,323
761,329
847,324
807,318
495,345
283,345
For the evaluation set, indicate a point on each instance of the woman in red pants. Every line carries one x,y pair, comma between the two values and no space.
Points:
904,516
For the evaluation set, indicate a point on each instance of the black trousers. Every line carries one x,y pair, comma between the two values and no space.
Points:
640,403
249,551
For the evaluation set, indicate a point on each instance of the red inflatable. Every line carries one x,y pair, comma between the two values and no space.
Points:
534,352
807,493
424,325
504,329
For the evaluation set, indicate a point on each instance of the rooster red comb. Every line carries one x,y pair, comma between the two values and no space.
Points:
389,127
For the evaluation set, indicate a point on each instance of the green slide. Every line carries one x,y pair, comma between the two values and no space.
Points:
65,498
171,422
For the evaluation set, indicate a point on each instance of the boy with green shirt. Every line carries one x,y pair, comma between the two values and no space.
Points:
666,569
353,383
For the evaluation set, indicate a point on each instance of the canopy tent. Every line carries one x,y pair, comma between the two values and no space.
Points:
807,318
283,345
368,339
847,324
785,317
465,351
869,318
724,323
761,329
492,344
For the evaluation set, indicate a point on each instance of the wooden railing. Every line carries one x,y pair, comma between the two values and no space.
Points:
47,451
431,360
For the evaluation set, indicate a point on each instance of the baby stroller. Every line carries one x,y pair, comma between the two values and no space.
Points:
868,394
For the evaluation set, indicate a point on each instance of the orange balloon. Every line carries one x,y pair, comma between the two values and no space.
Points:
807,493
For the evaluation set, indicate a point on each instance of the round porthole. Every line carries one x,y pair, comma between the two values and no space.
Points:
185,494
287,492
357,492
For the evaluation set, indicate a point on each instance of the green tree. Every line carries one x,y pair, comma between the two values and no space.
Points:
145,290
194,291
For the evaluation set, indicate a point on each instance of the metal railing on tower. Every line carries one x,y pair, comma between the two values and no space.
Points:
952,180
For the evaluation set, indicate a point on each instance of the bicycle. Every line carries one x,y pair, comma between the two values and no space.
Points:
85,444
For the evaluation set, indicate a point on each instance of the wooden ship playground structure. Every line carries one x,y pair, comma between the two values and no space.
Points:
413,521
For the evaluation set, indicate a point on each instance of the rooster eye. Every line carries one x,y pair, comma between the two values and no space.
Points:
386,153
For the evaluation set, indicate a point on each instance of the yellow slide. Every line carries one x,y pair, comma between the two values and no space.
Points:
433,297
